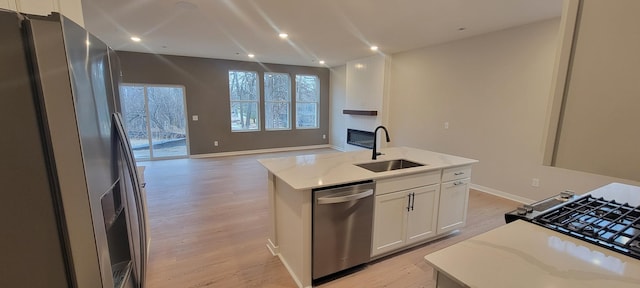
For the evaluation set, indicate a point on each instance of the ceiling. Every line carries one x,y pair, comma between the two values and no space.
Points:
335,31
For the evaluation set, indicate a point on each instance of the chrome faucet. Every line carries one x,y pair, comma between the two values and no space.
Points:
375,137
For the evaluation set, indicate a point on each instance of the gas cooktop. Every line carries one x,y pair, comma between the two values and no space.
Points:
607,223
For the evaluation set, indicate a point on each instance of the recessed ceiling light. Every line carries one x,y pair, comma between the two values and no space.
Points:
321,62
251,55
374,48
283,35
135,39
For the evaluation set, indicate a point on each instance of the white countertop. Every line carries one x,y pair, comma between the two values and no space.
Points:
313,171
525,255
622,193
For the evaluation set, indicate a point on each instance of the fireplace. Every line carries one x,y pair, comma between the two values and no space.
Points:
360,138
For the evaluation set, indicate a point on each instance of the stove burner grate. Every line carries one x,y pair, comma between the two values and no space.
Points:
615,226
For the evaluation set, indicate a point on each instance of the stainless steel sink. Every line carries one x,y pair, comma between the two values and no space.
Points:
389,165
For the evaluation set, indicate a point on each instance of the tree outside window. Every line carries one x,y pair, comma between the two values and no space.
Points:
277,101
307,101
245,99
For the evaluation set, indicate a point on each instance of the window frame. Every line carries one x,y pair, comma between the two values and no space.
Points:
317,103
266,101
257,101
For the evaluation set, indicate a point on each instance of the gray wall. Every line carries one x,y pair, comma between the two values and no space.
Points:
207,95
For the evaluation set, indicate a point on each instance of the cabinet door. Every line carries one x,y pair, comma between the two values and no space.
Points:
37,7
452,211
422,216
389,222
4,4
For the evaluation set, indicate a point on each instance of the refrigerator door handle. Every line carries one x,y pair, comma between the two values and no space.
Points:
133,174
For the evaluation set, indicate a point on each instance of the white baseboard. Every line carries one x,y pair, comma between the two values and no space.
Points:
260,151
341,149
406,248
502,194
275,250
293,275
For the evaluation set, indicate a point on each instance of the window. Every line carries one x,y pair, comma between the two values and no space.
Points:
245,99
277,101
156,121
307,100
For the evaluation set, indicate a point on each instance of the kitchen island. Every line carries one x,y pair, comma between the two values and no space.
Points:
526,255
444,180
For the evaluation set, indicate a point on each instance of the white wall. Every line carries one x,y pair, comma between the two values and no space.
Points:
493,90
366,90
337,123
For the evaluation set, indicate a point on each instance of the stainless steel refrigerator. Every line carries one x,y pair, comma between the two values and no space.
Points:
72,213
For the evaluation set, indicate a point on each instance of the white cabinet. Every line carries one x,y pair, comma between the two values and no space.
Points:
456,173
405,211
454,199
72,9
37,7
443,281
388,229
404,218
8,4
422,215
414,208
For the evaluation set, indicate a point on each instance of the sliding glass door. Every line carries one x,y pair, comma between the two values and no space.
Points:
155,117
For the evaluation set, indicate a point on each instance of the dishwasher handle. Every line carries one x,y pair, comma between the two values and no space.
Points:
341,199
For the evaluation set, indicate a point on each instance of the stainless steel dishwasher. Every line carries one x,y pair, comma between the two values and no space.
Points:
342,224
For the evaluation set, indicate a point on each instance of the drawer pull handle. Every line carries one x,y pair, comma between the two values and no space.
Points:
458,173
458,183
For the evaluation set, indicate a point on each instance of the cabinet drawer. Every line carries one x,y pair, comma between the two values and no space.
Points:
456,173
400,183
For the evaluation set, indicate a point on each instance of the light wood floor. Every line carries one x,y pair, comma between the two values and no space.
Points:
209,225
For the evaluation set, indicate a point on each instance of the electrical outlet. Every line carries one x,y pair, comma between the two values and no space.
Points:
194,117
446,125
324,136
535,182
215,143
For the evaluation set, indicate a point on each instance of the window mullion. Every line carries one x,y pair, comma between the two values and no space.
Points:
148,115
